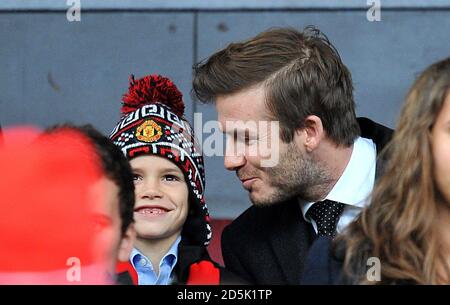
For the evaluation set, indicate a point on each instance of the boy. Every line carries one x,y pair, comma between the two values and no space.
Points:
172,220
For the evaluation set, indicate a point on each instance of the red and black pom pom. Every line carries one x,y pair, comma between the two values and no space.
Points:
152,89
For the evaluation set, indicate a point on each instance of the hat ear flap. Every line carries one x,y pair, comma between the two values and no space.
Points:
195,227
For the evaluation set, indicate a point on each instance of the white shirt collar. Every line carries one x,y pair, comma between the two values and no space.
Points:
356,182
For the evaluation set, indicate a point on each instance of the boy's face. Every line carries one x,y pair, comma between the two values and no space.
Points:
161,198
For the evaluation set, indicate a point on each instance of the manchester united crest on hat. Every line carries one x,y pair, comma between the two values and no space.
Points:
148,132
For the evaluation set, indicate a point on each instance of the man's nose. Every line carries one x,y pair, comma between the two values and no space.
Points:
234,158
233,162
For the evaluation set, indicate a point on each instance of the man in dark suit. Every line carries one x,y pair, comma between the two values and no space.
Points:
310,168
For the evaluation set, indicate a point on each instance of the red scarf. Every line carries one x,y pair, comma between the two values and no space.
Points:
127,267
200,273
203,273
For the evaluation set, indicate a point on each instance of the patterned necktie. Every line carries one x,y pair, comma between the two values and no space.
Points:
326,214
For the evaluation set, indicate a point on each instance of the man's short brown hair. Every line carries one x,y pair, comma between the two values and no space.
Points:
302,73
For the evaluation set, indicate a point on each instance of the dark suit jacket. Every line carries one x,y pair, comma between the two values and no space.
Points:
322,267
269,245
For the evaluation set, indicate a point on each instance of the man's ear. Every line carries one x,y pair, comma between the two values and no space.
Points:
126,244
311,134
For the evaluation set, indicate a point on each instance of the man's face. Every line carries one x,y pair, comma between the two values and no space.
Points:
244,119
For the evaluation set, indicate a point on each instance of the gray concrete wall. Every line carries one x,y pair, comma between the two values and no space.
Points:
52,70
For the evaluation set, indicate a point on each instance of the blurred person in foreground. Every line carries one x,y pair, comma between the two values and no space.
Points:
54,210
114,219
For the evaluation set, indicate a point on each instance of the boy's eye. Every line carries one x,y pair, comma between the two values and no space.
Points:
171,178
136,177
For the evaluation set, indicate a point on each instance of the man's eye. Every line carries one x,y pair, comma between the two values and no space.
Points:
249,140
235,137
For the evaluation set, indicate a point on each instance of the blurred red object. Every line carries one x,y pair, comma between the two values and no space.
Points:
214,248
46,207
203,273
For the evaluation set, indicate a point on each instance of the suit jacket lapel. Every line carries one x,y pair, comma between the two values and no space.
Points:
380,135
290,240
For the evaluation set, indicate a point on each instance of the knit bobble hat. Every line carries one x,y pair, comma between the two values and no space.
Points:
153,123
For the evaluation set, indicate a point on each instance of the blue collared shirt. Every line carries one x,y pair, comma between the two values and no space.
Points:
145,270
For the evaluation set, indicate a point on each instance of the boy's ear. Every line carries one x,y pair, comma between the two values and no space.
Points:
126,244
